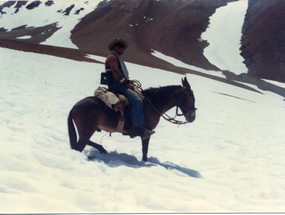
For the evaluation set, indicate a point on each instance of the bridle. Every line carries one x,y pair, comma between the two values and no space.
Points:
172,119
191,109
137,84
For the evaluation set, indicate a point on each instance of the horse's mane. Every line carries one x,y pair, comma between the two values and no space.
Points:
160,93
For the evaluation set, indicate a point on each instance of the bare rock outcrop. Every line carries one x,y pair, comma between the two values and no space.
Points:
170,27
263,40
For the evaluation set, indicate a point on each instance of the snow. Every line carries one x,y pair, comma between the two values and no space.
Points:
25,37
179,63
235,145
230,159
49,16
224,36
280,84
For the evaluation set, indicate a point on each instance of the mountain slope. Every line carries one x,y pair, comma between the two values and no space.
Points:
170,27
264,38
38,22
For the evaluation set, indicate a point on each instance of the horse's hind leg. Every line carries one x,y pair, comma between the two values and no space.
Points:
85,132
97,146
81,144
84,139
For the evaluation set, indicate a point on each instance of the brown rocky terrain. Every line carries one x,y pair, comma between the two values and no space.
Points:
263,40
171,27
73,54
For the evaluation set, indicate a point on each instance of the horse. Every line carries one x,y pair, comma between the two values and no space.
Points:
91,114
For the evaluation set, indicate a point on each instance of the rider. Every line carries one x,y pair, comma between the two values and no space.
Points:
120,83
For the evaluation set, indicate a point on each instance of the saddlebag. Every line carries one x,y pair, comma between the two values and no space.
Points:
108,97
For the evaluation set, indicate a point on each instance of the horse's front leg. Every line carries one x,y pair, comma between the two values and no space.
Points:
145,148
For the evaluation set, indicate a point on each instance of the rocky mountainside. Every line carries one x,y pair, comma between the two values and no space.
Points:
171,27
263,40
39,21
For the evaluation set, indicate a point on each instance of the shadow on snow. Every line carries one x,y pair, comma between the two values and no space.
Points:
115,159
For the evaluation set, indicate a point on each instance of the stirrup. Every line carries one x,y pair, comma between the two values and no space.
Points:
135,131
147,134
141,131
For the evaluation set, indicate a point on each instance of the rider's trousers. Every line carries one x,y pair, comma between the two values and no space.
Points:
134,99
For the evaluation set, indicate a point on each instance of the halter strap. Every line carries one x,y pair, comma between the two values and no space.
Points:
164,115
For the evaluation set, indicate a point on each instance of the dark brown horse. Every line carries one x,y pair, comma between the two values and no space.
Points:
91,114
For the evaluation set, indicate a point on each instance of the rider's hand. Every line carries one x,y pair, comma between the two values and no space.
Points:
130,86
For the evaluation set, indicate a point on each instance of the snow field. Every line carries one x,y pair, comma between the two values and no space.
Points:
229,159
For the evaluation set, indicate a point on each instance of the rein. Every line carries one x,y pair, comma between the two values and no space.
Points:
137,84
172,119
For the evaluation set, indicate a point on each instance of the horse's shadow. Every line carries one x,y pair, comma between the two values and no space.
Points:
115,159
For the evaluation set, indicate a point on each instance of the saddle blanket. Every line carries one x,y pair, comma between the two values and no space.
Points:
109,98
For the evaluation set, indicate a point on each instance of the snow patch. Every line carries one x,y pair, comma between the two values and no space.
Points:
224,34
25,37
179,63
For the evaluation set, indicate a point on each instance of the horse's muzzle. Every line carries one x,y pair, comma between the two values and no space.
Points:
190,117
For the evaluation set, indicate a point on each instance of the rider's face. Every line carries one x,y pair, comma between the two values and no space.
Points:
119,49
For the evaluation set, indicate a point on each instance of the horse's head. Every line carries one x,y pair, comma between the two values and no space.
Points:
187,101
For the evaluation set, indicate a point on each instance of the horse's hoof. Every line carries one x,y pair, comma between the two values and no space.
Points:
102,150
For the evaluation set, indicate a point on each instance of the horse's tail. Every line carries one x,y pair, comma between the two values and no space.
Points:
71,131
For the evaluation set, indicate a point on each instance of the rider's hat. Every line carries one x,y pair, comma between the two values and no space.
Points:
118,40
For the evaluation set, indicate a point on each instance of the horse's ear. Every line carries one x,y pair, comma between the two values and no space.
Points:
186,84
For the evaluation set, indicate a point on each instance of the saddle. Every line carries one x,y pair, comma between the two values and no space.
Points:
111,99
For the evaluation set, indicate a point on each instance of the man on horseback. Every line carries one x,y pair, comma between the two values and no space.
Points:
120,83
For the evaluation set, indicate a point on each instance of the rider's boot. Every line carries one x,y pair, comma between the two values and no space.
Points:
141,131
